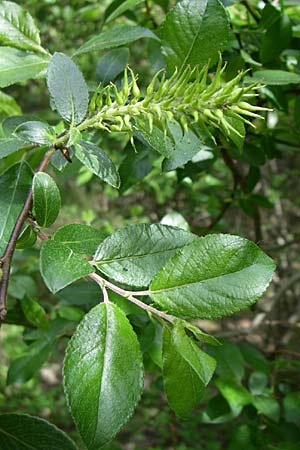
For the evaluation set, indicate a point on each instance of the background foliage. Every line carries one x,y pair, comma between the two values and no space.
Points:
248,187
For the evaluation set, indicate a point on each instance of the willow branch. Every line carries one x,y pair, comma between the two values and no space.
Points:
6,258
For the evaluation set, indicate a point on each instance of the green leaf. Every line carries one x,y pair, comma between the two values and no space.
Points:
276,39
10,124
103,374
17,28
14,187
230,361
274,77
46,199
34,313
111,65
200,335
68,90
186,370
23,432
25,366
194,33
267,406
175,219
214,276
79,238
10,145
17,66
35,131
21,285
115,37
291,405
235,394
98,162
59,266
186,147
134,254
27,238
157,140
127,4
8,105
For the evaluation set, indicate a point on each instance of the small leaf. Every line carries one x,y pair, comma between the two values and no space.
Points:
17,66
46,199
60,266
8,105
195,31
27,238
14,187
214,276
17,28
134,254
274,77
98,162
115,37
25,366
111,65
127,4
37,132
34,313
175,219
79,238
23,432
186,370
10,145
200,335
103,374
267,406
68,89
235,394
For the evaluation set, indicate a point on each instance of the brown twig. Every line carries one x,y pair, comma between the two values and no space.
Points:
6,258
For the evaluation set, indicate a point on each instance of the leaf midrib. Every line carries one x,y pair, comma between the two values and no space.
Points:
195,39
17,440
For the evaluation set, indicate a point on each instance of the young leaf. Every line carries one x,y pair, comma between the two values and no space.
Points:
34,313
14,187
111,65
79,238
17,66
35,131
214,276
68,89
186,370
115,37
103,374
23,432
46,199
98,162
10,145
17,28
59,266
133,255
27,238
195,31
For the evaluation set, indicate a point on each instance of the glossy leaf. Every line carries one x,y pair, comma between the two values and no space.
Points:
17,28
17,65
186,370
60,266
36,132
23,432
46,199
27,238
14,187
10,145
134,254
195,31
115,37
79,238
111,65
214,276
68,90
10,124
98,162
103,374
